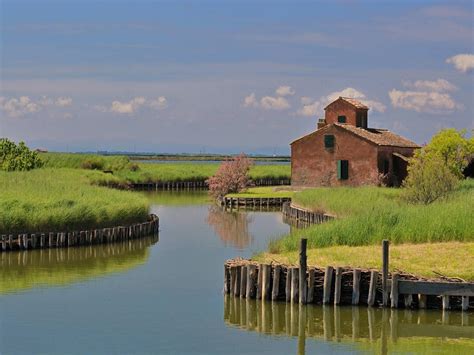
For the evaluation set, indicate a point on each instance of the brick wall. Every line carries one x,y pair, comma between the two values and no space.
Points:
314,165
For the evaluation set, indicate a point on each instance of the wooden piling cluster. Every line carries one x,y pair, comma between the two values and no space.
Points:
293,213
249,202
40,240
199,184
341,285
171,185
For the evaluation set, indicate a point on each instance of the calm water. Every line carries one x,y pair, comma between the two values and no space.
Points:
165,297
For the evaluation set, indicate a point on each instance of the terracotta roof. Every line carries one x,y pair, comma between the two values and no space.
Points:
378,136
353,102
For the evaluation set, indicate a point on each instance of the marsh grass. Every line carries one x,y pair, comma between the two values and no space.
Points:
125,171
62,200
366,215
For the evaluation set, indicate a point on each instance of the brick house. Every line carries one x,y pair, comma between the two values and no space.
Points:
344,151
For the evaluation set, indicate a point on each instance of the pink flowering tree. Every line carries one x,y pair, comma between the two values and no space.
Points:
231,176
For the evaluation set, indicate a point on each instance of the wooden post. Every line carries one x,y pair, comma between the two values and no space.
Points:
465,303
243,281
237,281
374,275
421,301
394,291
251,281
337,286
356,287
4,242
232,279
327,284
408,301
445,299
226,279
303,266
385,266
259,281
288,285
294,284
266,282
276,282
310,298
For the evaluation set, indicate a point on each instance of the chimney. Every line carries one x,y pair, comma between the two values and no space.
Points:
321,123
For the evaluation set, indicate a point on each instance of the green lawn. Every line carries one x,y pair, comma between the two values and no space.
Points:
452,259
63,199
366,215
425,239
264,192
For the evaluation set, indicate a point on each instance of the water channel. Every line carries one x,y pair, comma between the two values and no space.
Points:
164,296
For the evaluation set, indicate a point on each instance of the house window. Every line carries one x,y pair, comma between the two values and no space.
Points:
361,120
329,141
341,119
343,169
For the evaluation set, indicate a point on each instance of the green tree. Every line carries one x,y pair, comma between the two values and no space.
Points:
452,147
429,179
17,156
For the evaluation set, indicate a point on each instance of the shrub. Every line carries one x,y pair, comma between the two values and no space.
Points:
93,163
17,156
231,177
429,178
452,147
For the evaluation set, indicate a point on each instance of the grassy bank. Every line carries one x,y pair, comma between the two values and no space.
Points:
264,192
367,215
126,171
63,199
452,259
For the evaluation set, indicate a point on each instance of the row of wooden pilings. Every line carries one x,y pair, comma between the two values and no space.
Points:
24,241
199,184
301,215
247,279
252,202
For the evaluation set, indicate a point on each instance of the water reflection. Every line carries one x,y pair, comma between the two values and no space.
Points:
231,227
374,330
27,269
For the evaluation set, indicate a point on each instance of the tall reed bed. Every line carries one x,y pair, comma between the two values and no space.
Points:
126,171
194,172
62,200
366,215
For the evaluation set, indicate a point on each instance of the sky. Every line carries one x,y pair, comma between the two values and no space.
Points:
227,76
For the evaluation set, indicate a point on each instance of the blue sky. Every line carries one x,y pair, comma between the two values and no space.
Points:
227,76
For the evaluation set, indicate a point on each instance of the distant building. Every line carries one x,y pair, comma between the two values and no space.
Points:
343,151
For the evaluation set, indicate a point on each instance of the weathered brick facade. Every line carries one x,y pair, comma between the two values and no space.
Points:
348,154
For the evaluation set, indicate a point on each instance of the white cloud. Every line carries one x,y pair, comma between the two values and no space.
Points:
269,102
250,101
130,107
17,107
438,85
312,107
284,90
159,104
63,101
462,62
423,101
274,103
